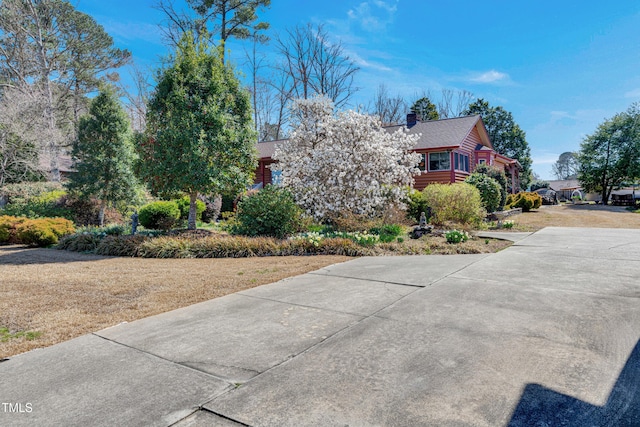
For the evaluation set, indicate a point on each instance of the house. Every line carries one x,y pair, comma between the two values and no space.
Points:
566,188
450,148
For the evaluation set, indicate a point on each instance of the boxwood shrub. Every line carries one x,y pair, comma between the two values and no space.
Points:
268,212
161,215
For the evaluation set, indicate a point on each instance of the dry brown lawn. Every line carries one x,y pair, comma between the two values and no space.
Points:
591,216
61,295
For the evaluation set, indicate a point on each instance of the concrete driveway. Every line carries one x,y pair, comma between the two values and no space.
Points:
544,333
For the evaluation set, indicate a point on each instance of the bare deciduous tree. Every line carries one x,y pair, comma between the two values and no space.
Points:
22,125
315,65
389,110
137,98
453,102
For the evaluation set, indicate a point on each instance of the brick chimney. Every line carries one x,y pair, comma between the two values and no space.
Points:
412,119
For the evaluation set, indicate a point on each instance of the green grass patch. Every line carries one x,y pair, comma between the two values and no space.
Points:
6,335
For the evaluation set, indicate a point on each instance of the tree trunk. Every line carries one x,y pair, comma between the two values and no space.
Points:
103,204
192,210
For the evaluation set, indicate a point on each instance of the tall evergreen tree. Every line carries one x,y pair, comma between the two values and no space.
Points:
426,109
200,136
104,154
506,136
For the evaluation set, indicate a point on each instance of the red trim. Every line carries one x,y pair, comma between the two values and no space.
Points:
453,168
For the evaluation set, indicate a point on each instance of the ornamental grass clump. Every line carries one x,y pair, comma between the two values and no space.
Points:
80,242
120,245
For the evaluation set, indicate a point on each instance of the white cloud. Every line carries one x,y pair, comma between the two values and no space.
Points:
633,94
363,63
374,15
491,76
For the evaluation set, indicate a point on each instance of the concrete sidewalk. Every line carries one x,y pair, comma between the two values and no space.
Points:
543,333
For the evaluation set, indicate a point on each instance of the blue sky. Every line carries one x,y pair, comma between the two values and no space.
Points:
560,67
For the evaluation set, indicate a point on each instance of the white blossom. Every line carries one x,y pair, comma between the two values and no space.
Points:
344,162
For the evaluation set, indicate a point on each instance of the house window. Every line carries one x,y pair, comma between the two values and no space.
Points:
482,161
423,162
276,177
439,161
461,162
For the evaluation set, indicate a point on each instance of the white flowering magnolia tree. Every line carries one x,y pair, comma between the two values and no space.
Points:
344,163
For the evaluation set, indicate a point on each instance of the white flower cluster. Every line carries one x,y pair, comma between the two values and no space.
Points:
344,162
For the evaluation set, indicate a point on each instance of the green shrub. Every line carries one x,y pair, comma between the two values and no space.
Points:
48,204
43,231
490,191
499,175
416,204
458,202
269,212
161,215
183,205
524,200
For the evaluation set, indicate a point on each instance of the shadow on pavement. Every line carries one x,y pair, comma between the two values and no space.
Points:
601,208
540,406
23,255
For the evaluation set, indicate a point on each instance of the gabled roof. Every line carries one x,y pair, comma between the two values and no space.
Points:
267,148
446,132
564,184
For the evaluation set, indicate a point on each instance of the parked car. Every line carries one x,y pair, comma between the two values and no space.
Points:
549,197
